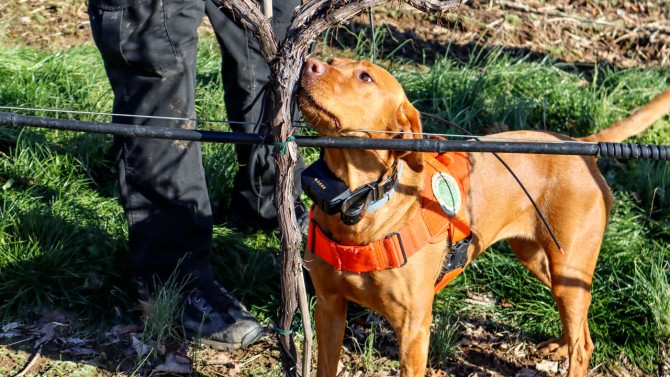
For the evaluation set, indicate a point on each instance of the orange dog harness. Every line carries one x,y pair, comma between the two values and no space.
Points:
442,216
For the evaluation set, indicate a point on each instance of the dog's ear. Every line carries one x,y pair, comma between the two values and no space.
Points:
408,121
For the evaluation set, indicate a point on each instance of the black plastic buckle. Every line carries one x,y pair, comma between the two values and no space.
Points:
402,247
458,255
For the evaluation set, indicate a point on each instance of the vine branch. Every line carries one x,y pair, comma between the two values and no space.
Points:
285,61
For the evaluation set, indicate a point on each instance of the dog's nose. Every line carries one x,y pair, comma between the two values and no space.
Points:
314,67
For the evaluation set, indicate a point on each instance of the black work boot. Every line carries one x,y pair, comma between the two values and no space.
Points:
217,319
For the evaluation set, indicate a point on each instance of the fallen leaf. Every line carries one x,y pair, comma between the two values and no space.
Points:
8,184
79,352
384,373
11,326
74,341
465,342
217,358
171,365
436,373
140,348
181,359
481,300
526,372
519,351
120,330
548,366
340,368
48,332
476,333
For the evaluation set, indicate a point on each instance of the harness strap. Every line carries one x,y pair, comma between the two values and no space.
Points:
381,254
391,251
447,278
430,225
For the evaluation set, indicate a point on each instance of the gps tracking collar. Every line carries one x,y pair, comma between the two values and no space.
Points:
333,196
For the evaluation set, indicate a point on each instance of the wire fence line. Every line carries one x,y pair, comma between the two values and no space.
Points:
298,124
600,149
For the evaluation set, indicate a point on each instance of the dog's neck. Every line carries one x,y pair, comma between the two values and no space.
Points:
357,168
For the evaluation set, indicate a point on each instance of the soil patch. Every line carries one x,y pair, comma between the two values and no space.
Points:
620,33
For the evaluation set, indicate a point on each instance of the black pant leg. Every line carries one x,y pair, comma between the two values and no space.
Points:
149,50
245,79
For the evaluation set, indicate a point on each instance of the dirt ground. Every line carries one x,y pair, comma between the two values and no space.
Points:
620,33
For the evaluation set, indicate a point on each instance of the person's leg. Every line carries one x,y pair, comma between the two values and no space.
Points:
245,79
149,50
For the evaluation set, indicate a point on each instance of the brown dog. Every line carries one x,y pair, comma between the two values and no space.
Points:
345,97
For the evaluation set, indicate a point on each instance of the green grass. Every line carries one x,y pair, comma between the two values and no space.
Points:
63,237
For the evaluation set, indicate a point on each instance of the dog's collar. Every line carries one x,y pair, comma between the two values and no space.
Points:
333,196
384,191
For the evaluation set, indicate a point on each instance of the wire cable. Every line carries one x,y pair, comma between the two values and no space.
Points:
516,178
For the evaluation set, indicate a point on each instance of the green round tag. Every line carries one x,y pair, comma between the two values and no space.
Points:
447,193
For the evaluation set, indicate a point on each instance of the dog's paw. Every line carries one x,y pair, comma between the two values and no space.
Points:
554,348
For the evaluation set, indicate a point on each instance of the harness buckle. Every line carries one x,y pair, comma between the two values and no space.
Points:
402,247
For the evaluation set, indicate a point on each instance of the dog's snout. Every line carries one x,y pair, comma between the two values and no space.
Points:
314,67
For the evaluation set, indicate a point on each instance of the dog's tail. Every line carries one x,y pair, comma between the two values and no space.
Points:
637,122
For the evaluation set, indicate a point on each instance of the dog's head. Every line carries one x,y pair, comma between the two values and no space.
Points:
351,98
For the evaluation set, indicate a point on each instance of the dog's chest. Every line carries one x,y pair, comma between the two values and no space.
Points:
441,218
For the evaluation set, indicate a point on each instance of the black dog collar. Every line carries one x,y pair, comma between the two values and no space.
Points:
333,196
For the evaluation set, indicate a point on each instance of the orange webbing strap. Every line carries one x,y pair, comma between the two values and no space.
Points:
378,255
446,279
431,225
390,252
457,165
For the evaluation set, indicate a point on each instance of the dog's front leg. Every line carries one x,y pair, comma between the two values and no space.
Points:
410,315
330,318
414,339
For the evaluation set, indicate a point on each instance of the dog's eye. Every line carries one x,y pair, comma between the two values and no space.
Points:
363,76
